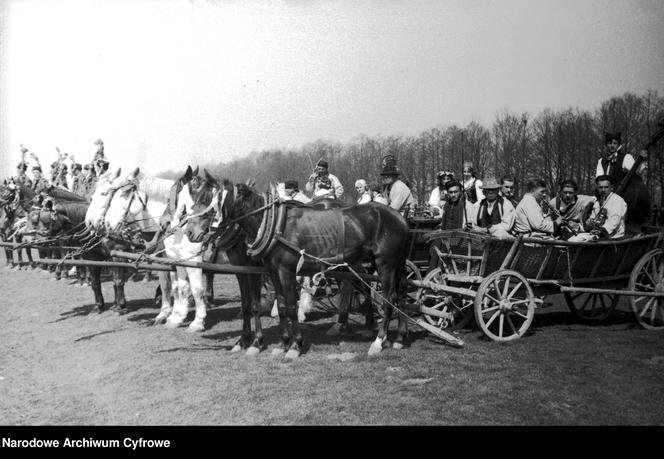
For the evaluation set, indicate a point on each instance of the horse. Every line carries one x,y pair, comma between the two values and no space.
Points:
211,204
312,238
140,208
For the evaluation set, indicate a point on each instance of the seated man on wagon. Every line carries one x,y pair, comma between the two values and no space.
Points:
399,195
494,214
607,219
321,177
572,207
292,192
529,218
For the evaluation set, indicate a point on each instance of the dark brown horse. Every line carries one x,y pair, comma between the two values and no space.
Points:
228,246
313,238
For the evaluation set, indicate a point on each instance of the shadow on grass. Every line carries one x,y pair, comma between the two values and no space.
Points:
94,335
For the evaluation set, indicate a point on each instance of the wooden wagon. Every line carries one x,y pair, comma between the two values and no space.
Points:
502,282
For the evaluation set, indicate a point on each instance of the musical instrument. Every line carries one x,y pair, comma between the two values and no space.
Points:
632,188
566,229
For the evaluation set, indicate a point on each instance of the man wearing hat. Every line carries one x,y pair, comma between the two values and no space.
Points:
61,176
317,181
616,163
101,166
495,214
21,178
439,194
292,192
399,196
39,183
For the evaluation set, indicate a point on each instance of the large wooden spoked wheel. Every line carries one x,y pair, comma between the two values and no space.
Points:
458,309
412,273
504,305
648,276
591,307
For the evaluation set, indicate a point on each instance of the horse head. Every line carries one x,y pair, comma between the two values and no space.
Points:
209,202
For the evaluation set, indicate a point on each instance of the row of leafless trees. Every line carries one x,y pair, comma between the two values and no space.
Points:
553,145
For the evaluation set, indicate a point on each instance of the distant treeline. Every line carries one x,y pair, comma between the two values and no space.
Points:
554,146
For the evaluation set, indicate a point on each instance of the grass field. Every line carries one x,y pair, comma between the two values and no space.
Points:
63,365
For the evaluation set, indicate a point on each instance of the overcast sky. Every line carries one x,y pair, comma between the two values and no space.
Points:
166,83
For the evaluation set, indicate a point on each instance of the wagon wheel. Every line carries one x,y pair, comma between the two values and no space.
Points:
504,305
591,307
412,273
458,308
648,276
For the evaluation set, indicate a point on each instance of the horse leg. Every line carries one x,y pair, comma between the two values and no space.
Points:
197,288
283,322
209,286
166,298
180,291
289,287
254,284
399,298
387,281
95,274
245,338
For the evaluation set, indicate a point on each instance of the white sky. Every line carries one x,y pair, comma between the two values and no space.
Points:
166,83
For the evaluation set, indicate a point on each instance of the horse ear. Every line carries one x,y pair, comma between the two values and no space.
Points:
117,174
135,173
188,173
195,171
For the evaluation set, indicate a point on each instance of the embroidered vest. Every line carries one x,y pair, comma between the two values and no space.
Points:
486,220
615,168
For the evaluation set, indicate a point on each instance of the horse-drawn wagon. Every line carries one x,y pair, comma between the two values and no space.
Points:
501,283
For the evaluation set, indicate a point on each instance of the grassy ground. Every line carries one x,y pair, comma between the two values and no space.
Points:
64,365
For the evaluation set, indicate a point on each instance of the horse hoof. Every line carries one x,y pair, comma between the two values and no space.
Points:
292,354
236,348
397,346
278,351
172,325
375,349
253,350
160,319
195,327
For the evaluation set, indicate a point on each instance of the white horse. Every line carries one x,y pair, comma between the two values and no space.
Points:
144,205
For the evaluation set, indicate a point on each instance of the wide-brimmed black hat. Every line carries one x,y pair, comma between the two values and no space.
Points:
390,166
323,163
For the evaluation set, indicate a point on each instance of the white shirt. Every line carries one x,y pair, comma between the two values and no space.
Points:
435,199
616,208
627,164
336,187
366,197
478,187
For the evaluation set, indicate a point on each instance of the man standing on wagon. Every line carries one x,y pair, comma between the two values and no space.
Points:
318,181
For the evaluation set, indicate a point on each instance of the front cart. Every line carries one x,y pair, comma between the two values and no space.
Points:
502,282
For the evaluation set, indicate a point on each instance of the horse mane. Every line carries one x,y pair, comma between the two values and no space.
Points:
156,188
74,210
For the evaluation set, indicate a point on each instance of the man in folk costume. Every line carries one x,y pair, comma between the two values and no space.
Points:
39,183
458,213
507,190
471,184
572,207
529,217
495,214
319,178
399,196
439,193
607,219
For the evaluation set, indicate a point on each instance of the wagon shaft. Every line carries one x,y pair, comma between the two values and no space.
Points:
436,287
612,292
